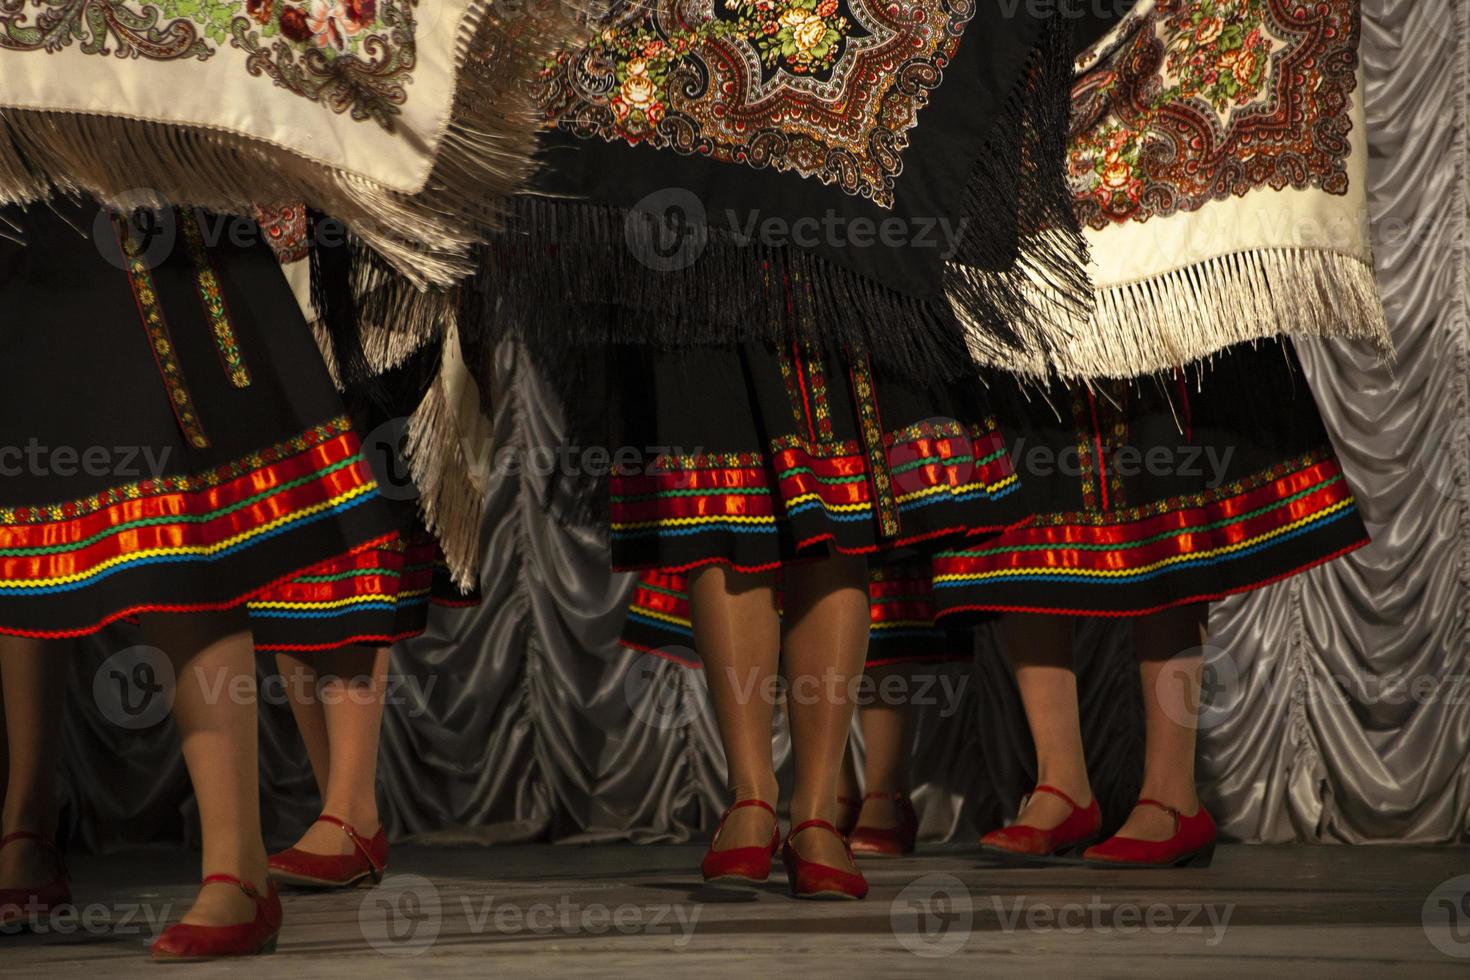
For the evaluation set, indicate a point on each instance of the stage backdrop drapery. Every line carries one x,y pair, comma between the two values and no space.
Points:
1340,707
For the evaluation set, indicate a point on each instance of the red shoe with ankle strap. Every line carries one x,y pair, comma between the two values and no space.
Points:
741,863
304,869
181,942
851,810
1078,830
812,880
21,906
1191,846
888,841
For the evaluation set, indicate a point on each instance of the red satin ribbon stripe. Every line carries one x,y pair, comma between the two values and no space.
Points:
162,518
1257,515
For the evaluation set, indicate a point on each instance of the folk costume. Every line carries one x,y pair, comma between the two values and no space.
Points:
781,395
1173,453
193,453
381,595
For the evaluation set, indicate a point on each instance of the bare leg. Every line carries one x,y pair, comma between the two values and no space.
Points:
826,642
33,673
849,791
1040,649
888,734
337,700
1169,663
215,709
738,635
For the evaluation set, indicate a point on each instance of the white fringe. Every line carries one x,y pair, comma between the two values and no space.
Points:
451,502
484,156
1168,321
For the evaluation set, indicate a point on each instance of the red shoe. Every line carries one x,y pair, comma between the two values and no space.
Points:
19,906
743,863
1076,832
888,841
304,869
1191,846
181,942
812,880
851,810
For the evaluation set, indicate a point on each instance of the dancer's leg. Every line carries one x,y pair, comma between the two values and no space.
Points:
337,700
825,644
215,708
1040,650
1169,662
888,735
738,635
33,675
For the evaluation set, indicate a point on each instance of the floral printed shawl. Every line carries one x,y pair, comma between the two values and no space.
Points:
407,119
728,170
1218,167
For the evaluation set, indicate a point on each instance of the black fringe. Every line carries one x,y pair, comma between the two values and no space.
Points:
558,258
336,310
1022,177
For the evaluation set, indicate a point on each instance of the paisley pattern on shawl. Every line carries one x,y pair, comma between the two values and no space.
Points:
1212,99
826,89
352,56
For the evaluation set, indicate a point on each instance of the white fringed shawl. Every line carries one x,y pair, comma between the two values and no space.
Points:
408,120
1218,167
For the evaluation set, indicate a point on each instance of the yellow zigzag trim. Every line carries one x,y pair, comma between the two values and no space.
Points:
677,521
192,549
1162,563
339,603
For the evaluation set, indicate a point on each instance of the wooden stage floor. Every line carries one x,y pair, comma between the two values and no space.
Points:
626,911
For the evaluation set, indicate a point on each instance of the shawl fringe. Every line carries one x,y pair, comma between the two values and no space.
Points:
557,253
1162,322
452,505
486,155
1045,295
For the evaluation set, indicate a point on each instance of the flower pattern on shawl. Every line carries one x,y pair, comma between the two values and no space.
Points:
353,56
1208,99
825,88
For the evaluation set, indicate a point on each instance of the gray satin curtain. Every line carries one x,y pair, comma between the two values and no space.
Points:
523,720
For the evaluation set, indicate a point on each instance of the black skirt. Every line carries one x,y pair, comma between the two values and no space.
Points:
753,456
170,437
1160,492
